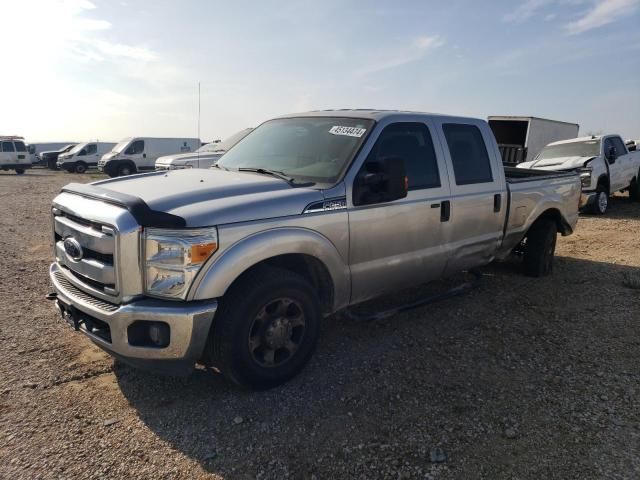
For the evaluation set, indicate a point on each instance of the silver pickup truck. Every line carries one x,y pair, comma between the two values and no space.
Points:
235,266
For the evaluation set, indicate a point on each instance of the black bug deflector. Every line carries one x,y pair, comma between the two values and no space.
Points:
144,215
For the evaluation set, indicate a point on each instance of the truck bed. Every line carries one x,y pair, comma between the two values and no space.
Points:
519,175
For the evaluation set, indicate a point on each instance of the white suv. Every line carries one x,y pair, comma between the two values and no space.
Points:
14,155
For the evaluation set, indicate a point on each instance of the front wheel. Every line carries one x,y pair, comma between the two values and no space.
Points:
540,248
266,328
634,189
80,167
601,205
124,170
19,171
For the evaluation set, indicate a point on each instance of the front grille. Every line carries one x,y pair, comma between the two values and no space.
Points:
74,291
96,267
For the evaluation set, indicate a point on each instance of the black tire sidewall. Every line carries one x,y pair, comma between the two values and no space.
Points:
542,235
80,168
240,366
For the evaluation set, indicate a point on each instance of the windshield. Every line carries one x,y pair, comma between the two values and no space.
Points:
588,148
121,146
78,147
67,148
315,149
226,144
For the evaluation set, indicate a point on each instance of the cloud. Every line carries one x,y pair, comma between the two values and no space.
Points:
413,52
126,51
603,13
525,11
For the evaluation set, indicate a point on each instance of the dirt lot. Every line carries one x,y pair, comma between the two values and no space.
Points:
521,378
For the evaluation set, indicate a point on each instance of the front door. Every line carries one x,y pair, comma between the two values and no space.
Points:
136,152
399,243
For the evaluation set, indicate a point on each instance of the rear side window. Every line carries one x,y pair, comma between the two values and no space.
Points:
91,149
135,147
7,147
468,154
20,147
412,142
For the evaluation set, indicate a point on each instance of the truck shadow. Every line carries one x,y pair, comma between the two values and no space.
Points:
453,374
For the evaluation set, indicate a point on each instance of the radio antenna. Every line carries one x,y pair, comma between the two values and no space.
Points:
199,124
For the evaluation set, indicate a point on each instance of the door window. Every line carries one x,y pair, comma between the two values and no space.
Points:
412,143
20,147
617,143
135,148
468,154
7,147
91,149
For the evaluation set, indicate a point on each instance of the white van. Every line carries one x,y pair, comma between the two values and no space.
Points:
83,156
136,154
14,154
204,157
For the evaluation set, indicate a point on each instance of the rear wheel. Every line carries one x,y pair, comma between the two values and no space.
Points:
634,189
540,248
124,170
266,328
80,167
19,171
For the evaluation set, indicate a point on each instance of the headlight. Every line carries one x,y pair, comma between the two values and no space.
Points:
585,177
172,259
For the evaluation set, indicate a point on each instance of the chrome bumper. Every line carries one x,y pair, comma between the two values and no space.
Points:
188,323
587,199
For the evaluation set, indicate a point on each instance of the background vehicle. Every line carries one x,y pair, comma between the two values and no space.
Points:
307,215
204,157
521,138
140,153
36,148
49,158
604,163
14,154
83,156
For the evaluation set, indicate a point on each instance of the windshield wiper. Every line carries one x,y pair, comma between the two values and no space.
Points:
275,173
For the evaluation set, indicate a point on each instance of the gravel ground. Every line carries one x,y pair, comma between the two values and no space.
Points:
520,378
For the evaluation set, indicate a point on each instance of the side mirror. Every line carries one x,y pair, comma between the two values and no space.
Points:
383,181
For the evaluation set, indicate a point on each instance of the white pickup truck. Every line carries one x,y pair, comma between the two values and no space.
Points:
605,164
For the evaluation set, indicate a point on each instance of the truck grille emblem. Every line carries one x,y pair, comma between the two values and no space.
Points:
73,249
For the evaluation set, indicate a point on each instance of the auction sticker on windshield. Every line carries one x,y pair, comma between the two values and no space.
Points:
348,131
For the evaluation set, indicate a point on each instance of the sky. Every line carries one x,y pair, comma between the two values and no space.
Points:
77,70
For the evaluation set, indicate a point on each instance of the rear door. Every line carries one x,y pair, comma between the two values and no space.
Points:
478,203
8,152
400,243
22,155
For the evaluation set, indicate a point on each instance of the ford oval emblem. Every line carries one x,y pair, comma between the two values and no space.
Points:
73,249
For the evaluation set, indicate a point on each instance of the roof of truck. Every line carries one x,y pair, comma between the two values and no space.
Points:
368,113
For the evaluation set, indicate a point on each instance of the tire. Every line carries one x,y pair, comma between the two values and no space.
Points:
80,167
634,189
266,328
69,170
601,204
540,248
19,171
124,170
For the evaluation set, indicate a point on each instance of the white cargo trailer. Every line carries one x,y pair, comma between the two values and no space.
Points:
521,138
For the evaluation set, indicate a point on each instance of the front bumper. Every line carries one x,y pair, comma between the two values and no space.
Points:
587,199
189,324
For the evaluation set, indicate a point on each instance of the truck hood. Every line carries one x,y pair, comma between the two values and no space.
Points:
559,163
184,158
215,197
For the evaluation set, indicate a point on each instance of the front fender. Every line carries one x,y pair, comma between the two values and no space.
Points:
222,270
